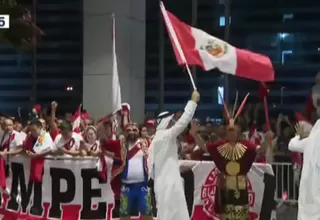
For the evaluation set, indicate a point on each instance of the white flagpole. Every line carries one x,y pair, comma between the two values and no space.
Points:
176,42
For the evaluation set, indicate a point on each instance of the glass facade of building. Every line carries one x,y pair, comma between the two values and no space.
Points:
285,30
59,57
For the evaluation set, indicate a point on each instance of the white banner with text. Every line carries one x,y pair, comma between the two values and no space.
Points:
71,190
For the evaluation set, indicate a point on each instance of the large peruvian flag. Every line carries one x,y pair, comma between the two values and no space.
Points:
193,46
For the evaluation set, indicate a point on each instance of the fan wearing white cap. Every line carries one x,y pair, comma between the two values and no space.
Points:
309,145
164,165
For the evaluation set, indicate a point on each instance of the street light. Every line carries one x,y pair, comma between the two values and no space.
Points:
69,88
283,35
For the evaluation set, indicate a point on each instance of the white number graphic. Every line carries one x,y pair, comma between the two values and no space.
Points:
4,21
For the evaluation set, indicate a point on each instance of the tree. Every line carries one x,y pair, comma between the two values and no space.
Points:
23,34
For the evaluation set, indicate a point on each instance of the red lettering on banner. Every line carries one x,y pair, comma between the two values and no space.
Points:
208,191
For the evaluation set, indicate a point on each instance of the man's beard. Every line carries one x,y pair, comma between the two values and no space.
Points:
132,137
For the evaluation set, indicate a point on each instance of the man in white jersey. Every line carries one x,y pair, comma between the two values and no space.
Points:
67,142
10,144
163,163
10,140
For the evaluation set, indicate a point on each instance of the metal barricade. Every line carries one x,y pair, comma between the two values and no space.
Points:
287,182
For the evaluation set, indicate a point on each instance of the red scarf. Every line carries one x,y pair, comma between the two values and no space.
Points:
113,146
103,173
297,159
4,146
36,164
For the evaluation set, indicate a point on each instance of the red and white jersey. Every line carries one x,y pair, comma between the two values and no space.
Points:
136,165
254,136
95,147
71,144
23,135
11,141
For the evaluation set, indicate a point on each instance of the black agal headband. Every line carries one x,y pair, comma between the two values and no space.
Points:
162,116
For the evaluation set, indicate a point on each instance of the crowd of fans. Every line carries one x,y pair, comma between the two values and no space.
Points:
282,130
90,135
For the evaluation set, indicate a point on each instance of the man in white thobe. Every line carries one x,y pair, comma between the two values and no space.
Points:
309,192
164,164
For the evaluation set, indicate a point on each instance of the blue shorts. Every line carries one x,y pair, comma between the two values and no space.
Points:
135,197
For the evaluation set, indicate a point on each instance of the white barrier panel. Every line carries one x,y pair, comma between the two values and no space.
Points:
261,191
71,190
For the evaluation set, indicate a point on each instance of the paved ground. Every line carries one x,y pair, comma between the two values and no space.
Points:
287,212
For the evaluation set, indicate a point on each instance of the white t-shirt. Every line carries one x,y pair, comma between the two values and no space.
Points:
23,135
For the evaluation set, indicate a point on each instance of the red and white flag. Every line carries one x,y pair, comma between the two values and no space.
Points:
76,120
116,89
254,136
193,46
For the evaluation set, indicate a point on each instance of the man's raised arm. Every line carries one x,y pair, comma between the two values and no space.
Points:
187,115
297,144
300,141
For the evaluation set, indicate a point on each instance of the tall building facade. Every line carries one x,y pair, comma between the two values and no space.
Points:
55,67
284,30
59,57
287,32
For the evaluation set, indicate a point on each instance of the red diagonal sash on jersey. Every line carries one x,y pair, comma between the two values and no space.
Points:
133,151
94,147
6,140
69,144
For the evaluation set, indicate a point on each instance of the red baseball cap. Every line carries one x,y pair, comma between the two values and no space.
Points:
151,123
